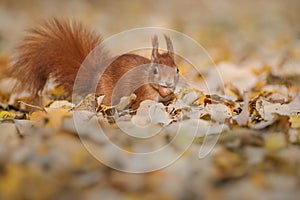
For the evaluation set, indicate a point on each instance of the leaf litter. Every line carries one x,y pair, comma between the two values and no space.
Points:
242,119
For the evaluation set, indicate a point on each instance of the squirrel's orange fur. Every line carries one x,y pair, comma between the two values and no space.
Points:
57,49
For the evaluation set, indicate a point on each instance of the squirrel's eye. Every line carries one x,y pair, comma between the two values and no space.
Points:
155,70
177,70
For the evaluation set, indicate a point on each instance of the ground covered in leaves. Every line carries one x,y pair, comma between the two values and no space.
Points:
250,127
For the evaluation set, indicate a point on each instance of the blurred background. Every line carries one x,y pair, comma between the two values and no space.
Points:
229,30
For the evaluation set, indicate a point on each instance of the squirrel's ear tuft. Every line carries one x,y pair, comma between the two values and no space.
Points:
154,55
169,46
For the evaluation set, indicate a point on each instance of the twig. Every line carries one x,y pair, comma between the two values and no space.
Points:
32,106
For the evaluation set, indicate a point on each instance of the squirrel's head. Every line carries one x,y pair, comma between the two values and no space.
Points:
164,72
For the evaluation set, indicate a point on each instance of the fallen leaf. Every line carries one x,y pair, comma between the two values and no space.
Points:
295,121
7,114
243,117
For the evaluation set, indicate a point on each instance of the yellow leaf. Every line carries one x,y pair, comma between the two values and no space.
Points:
295,121
56,116
53,118
6,114
11,182
38,115
275,141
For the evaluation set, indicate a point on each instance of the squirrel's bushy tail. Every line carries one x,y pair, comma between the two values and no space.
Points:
55,49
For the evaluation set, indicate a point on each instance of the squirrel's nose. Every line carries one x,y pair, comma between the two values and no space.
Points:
169,83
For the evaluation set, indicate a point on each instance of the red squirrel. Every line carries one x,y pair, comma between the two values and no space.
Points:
57,48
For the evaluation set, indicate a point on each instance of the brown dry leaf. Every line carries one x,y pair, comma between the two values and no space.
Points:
125,102
38,117
189,95
63,104
151,112
243,117
90,103
231,90
267,109
218,112
53,118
